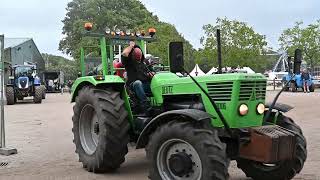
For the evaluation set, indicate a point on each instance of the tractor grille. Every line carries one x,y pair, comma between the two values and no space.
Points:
221,91
252,90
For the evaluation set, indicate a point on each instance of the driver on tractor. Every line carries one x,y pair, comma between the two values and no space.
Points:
139,75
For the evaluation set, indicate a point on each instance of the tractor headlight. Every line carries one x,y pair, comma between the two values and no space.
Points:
243,109
260,108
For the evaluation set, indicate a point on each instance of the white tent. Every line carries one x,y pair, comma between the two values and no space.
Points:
197,71
212,71
249,70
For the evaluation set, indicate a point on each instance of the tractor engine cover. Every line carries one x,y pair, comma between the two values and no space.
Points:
269,144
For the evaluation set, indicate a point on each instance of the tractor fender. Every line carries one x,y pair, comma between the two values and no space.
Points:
109,81
280,107
183,115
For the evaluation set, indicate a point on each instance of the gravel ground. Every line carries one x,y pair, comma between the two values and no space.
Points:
42,135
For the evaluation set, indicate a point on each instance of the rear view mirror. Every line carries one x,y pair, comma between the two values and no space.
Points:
176,57
297,61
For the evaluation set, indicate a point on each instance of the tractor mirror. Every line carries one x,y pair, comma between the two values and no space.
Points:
176,57
297,61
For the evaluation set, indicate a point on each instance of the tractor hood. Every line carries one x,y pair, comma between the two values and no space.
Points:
23,82
229,91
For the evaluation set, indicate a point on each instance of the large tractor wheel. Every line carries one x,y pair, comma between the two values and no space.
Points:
283,170
43,92
100,129
311,88
293,87
37,97
184,150
10,95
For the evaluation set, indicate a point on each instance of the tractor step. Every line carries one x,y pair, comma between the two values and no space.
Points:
269,144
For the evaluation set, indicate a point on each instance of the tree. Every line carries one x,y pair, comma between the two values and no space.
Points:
241,45
58,63
125,14
307,39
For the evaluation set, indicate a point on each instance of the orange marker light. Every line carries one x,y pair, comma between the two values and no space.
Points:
152,31
143,33
88,26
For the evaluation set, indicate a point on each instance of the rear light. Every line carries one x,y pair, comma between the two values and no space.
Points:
99,77
88,26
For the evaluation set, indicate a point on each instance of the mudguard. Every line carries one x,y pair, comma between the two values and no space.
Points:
280,107
183,114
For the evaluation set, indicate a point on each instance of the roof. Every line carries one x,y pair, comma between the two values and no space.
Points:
13,42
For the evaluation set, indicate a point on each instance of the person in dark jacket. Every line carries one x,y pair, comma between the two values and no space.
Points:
305,77
138,74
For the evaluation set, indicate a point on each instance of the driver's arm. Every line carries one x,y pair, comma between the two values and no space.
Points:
127,50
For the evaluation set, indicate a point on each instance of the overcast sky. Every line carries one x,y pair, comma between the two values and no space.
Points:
41,20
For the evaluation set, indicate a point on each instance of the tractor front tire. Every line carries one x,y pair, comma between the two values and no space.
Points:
311,88
43,92
100,129
284,170
37,97
293,87
186,150
10,95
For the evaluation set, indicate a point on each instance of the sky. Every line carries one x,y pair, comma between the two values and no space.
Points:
41,19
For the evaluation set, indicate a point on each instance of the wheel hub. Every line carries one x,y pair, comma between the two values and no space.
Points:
89,129
180,164
178,160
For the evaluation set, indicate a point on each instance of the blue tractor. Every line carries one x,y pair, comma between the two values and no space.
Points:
294,75
24,82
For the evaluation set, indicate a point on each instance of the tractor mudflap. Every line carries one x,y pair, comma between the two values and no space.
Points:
269,144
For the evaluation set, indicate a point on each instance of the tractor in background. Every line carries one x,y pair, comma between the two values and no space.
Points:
24,82
198,124
293,80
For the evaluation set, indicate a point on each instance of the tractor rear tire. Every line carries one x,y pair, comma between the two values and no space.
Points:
43,92
10,95
37,98
284,170
195,153
100,129
311,88
293,87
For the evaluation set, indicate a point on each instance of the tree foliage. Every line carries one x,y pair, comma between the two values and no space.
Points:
58,63
125,14
241,45
305,38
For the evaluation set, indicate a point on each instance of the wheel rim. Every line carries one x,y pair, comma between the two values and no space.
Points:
89,129
174,153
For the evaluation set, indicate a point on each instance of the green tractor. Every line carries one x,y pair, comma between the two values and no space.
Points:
199,124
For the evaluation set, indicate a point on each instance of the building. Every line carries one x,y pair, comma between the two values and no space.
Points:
19,51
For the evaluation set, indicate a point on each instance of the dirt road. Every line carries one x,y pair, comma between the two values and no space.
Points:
42,135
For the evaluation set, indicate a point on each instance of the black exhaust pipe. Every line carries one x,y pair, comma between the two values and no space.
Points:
219,52
297,61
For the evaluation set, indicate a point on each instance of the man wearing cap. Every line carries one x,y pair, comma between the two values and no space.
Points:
138,74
